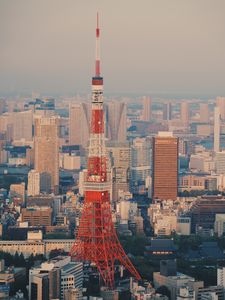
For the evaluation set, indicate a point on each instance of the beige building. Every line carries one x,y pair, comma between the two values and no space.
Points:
147,102
46,147
220,103
37,216
35,246
204,112
184,113
33,187
17,190
70,162
17,125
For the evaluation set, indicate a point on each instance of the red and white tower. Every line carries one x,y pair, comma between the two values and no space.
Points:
96,240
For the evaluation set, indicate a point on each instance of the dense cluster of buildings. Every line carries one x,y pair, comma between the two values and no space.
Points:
168,153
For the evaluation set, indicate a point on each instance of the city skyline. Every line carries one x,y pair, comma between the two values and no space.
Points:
174,48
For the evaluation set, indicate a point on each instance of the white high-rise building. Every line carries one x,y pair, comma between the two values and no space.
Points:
221,276
33,187
216,129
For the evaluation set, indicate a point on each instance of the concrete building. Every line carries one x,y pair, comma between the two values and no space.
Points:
71,275
183,225
33,187
165,223
167,111
17,125
204,112
120,154
79,116
140,160
217,115
44,283
202,162
184,113
73,294
36,245
70,161
173,283
220,104
46,145
192,183
221,276
219,225
165,166
17,190
116,120
185,293
147,111
220,162
37,216
210,293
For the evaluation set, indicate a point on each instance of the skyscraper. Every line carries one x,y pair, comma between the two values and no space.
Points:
220,102
167,111
217,129
120,155
116,117
147,103
79,116
165,166
140,161
46,156
204,112
184,113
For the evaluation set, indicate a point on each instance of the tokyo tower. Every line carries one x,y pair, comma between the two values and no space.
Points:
97,241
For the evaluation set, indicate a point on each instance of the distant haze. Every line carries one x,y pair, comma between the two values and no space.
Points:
147,46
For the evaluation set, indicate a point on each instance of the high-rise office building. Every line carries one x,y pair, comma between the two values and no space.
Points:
116,119
46,156
33,187
204,112
17,124
165,166
167,111
79,116
220,162
120,156
220,103
140,161
147,103
184,113
45,285
217,129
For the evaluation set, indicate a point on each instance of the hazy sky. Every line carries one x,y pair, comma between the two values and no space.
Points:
147,46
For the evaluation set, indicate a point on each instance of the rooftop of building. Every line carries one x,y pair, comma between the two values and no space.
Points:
161,244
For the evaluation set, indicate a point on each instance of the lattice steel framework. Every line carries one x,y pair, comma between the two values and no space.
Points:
97,240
